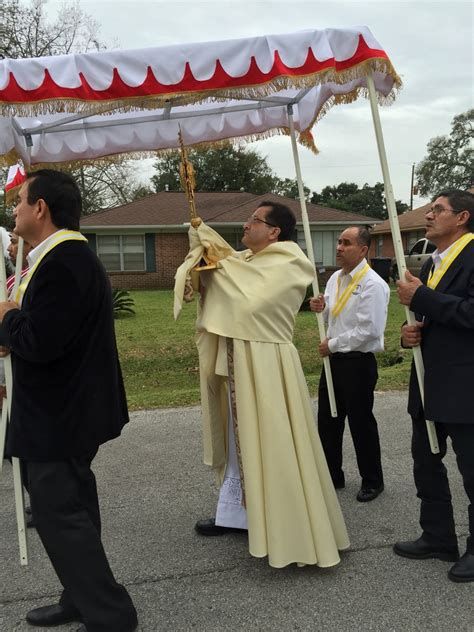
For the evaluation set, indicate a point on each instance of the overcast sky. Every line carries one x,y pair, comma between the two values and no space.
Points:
429,43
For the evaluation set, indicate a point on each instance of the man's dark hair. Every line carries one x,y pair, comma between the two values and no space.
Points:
363,236
282,217
460,201
61,194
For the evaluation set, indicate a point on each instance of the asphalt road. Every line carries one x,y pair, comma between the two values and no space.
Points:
153,487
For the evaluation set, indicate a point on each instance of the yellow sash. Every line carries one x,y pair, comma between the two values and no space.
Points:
60,237
454,251
342,300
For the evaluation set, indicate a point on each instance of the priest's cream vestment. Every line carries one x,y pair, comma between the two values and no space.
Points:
245,328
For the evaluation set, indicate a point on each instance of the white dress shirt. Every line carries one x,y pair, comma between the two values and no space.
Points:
33,256
361,324
438,256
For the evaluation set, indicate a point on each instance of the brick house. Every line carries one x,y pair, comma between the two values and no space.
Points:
142,243
412,228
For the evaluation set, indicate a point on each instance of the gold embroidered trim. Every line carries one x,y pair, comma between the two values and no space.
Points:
235,421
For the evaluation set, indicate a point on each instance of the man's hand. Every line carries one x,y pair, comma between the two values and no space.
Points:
406,289
324,348
411,335
317,303
4,351
6,306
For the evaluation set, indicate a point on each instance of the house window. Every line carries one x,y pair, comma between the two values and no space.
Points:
413,237
379,246
122,252
324,246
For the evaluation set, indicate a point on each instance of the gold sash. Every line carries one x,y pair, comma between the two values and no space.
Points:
454,251
342,300
60,237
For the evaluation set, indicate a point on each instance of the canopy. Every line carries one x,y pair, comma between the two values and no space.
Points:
70,108
133,101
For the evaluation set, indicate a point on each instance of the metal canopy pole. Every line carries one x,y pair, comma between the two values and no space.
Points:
310,253
69,124
397,242
6,412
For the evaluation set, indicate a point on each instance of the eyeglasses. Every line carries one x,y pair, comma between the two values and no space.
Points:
437,209
253,220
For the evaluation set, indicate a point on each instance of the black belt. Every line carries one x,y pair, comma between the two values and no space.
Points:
350,354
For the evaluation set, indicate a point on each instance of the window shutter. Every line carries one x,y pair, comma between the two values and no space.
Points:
92,240
150,252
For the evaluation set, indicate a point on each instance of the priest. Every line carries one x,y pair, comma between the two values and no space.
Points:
259,431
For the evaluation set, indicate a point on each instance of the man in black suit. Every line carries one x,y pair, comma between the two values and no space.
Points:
68,399
443,301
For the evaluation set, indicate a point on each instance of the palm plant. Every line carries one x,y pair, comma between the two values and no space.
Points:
122,303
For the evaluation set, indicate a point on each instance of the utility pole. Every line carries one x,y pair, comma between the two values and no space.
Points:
412,185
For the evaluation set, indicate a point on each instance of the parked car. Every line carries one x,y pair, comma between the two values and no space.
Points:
419,253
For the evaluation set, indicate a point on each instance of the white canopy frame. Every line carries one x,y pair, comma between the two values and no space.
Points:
310,253
6,414
399,254
78,122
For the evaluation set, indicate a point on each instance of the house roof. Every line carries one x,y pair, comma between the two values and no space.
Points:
411,220
170,208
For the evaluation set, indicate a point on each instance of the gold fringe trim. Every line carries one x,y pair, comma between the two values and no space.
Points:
9,159
283,82
10,195
90,162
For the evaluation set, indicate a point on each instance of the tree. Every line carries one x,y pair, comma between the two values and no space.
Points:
367,200
223,168
108,184
334,193
27,32
450,160
289,188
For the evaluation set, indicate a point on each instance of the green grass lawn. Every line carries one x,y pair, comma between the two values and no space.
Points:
160,363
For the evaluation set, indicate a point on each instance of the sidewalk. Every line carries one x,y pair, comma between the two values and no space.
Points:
153,487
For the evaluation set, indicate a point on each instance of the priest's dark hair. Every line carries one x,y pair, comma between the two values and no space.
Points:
460,201
282,217
60,192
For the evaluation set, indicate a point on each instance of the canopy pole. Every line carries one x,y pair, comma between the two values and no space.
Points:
397,242
17,479
3,431
310,253
18,266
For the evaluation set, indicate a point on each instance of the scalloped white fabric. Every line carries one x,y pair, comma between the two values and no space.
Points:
210,121
168,63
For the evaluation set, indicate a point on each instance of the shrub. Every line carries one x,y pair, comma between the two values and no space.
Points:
122,303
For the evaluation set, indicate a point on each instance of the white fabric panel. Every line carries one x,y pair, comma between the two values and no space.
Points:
140,134
168,62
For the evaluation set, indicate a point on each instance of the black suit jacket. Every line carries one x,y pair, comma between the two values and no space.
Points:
447,343
68,394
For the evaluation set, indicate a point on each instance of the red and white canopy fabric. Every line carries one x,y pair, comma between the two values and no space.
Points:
116,102
15,178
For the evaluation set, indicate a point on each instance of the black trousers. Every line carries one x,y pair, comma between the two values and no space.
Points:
65,507
431,480
354,377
